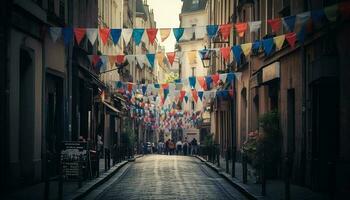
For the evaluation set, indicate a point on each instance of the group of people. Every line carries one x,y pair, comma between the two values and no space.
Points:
179,148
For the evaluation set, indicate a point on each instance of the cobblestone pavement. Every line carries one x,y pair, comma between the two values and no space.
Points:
168,177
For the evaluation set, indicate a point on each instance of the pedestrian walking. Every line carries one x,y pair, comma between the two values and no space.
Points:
160,147
167,150
194,146
185,148
171,147
178,147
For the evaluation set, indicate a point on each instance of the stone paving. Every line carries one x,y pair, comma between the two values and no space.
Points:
168,177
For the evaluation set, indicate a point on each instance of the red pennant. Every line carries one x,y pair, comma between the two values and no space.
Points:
202,83
195,95
165,85
79,34
344,8
225,52
95,59
130,87
241,28
215,78
225,30
152,34
291,39
104,34
182,95
275,24
171,57
120,59
162,100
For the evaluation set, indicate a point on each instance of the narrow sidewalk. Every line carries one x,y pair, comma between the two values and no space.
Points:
274,188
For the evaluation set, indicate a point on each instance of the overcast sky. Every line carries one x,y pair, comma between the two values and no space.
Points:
166,14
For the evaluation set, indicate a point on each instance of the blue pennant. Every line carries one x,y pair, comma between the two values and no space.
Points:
208,81
237,52
137,35
166,92
67,35
200,94
290,22
177,80
151,57
192,81
144,89
156,85
230,77
212,30
301,35
256,46
115,33
178,32
186,98
119,84
268,46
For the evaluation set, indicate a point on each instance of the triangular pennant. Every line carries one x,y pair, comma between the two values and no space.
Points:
79,34
55,33
254,26
223,77
275,24
212,30
289,22
141,59
237,52
192,81
225,30
188,33
127,33
202,83
178,32
160,57
208,82
144,89
268,46
246,48
194,95
200,95
182,95
130,59
91,34
331,12
192,57
256,47
112,60
67,35
241,28
115,34
230,77
137,35
165,92
151,58
301,20
301,35
186,98
152,34
171,57
238,75
120,59
164,33
279,40
104,34
215,78
225,52
165,85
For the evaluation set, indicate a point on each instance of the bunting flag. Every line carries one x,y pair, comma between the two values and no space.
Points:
202,83
200,95
171,57
188,33
115,34
186,98
301,21
137,35
215,78
55,33
289,22
279,40
104,34
182,95
142,60
79,34
208,82
130,58
194,95
275,24
160,57
151,58
144,89
178,32
230,77
94,59
206,95
225,52
165,92
241,28
127,33
192,81
200,31
212,30
192,57
223,77
246,48
67,35
152,34
165,85
301,35
112,60
225,31
164,33
120,59
254,26
237,52
238,75
91,34
268,46
331,12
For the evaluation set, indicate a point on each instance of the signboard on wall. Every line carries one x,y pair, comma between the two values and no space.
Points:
271,72
74,156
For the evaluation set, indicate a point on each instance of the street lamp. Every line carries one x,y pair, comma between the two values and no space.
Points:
205,55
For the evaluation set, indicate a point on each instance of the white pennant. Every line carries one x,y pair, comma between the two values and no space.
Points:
55,33
141,59
238,75
254,26
127,33
188,33
130,58
206,94
223,77
91,34
172,87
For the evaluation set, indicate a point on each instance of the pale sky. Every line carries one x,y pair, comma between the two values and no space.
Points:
166,14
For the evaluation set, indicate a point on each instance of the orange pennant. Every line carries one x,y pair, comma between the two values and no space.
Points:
225,30
79,34
241,28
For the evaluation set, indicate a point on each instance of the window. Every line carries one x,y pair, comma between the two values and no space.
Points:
193,32
195,4
62,9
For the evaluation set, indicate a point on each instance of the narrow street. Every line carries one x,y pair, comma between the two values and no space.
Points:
166,177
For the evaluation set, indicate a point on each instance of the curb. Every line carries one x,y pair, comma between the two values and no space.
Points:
228,177
88,187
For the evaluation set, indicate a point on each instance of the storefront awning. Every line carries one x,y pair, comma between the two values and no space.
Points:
113,109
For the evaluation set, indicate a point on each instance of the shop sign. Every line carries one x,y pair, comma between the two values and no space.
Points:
74,157
271,72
